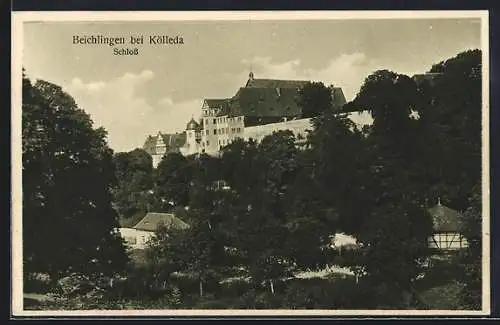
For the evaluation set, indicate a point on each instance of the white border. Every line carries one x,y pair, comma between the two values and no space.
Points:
18,18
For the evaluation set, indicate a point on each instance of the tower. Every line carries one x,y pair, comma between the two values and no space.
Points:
192,136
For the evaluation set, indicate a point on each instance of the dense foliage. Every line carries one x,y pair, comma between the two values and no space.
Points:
68,218
260,213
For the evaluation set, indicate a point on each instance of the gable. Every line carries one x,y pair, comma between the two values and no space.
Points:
173,142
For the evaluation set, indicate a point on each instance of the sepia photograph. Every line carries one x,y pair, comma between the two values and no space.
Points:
250,163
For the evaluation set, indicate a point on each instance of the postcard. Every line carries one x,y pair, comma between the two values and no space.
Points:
272,163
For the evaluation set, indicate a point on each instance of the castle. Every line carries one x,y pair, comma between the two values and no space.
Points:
258,109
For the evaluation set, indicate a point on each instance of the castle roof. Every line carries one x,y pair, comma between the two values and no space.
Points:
252,101
216,103
153,220
173,142
272,98
275,83
338,97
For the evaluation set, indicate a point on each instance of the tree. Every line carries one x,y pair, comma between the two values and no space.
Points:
260,207
198,251
339,171
68,220
453,125
132,193
471,228
173,179
394,232
315,98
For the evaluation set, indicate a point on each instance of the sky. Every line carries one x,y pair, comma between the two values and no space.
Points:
162,87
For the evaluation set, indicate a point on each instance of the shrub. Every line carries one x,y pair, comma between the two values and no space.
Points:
36,282
235,288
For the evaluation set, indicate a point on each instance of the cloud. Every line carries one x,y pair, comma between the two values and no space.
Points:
118,106
347,71
167,101
173,117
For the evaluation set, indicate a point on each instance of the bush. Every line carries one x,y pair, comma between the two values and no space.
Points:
323,294
236,288
309,294
38,283
259,300
444,297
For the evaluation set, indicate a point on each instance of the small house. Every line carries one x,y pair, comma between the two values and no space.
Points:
138,236
446,229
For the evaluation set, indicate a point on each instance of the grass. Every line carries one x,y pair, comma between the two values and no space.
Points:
445,297
330,288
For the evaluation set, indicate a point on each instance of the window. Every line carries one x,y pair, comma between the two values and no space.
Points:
215,121
227,130
215,131
206,132
208,143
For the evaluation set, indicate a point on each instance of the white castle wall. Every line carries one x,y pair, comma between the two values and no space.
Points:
299,127
258,132
221,131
